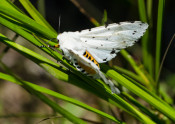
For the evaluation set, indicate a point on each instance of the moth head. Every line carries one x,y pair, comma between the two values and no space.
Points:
57,45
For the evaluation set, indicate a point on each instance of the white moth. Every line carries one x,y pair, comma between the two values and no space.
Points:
87,48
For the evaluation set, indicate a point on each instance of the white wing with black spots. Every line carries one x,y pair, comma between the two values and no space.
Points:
108,40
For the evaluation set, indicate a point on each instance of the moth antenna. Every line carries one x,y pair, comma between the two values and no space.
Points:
59,24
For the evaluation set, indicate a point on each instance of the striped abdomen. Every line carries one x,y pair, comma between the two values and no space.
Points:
90,57
88,69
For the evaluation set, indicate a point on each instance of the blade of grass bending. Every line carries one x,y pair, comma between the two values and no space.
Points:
42,97
21,30
57,95
158,104
60,96
142,107
35,14
9,4
31,24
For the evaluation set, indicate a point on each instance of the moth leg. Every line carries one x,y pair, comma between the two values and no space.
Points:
69,71
109,83
51,47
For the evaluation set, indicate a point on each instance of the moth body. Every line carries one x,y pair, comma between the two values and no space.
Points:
70,44
87,48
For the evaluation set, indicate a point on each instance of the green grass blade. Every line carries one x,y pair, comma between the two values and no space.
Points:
105,18
21,30
10,5
59,96
142,108
35,14
29,23
142,10
157,103
136,68
146,45
42,97
149,12
57,108
159,38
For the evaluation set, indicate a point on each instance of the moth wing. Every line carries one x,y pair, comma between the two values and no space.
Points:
105,41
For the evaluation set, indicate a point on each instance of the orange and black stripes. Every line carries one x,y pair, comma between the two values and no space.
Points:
90,57
85,67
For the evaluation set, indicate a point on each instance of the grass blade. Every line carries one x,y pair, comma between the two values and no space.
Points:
42,97
146,45
159,38
35,14
135,67
144,94
59,96
29,23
